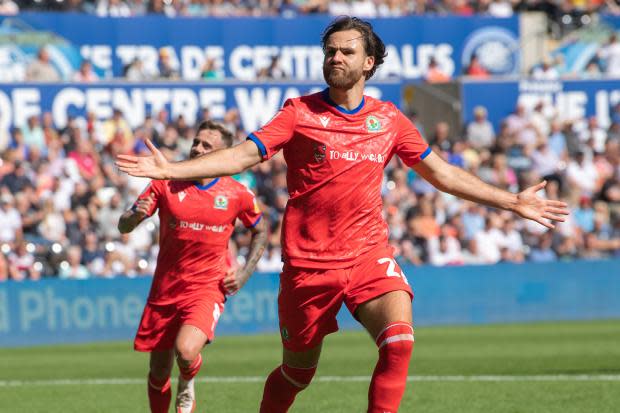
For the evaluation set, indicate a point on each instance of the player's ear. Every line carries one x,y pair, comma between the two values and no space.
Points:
369,62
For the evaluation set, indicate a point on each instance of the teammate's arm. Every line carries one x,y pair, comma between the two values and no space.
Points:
224,162
235,281
132,217
456,181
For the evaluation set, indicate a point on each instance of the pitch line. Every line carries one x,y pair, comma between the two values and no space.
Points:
320,379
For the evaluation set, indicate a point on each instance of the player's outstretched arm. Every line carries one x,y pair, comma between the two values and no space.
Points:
236,280
456,181
223,162
132,217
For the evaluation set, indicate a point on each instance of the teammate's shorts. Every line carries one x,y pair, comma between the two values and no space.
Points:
310,299
160,324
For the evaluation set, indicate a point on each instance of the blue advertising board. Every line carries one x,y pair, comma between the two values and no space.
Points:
55,311
567,99
257,103
240,47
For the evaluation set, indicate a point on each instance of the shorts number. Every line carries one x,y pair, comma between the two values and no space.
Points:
391,268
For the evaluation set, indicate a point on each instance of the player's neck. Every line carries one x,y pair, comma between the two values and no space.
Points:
203,182
348,99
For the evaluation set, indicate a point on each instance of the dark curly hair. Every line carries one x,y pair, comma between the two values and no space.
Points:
373,45
227,136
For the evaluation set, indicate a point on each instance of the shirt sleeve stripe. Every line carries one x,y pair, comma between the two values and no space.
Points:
257,221
261,146
425,153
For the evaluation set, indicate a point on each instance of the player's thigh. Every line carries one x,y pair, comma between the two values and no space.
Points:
161,363
198,317
379,292
308,303
190,341
386,309
302,359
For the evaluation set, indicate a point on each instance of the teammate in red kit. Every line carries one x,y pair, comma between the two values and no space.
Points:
335,242
192,276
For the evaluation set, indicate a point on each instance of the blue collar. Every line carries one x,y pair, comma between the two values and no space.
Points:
207,186
329,100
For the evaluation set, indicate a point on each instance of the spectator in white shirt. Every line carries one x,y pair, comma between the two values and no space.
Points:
480,133
611,54
582,175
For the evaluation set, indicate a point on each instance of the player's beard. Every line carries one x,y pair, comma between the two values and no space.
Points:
343,78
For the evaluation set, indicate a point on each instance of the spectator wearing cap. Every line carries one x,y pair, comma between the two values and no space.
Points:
165,66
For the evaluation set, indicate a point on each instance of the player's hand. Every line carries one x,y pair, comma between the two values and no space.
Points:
538,209
143,206
154,166
232,282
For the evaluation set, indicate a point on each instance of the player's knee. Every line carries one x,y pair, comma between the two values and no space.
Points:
298,376
396,340
160,369
187,352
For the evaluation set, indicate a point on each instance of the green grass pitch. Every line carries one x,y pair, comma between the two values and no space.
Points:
580,362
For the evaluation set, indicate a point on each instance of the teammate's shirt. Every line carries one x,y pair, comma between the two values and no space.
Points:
196,223
335,161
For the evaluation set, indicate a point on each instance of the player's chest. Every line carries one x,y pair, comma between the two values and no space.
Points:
192,207
333,140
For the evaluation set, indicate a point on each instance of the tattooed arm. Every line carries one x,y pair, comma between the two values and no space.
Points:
234,281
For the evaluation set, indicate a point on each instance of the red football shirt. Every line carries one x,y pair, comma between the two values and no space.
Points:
335,161
196,223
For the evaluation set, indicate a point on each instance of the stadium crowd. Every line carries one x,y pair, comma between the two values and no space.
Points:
557,10
61,196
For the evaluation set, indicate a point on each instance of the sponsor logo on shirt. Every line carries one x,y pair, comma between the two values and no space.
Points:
319,152
197,226
353,156
221,202
373,124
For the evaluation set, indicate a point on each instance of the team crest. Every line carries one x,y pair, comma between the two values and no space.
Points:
319,152
373,124
221,202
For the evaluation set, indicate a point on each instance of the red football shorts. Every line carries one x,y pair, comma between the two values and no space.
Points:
160,324
310,299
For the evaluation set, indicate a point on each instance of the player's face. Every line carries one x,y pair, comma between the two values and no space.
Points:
345,59
206,141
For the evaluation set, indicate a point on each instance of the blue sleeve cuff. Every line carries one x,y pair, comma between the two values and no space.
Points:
425,153
261,146
257,221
